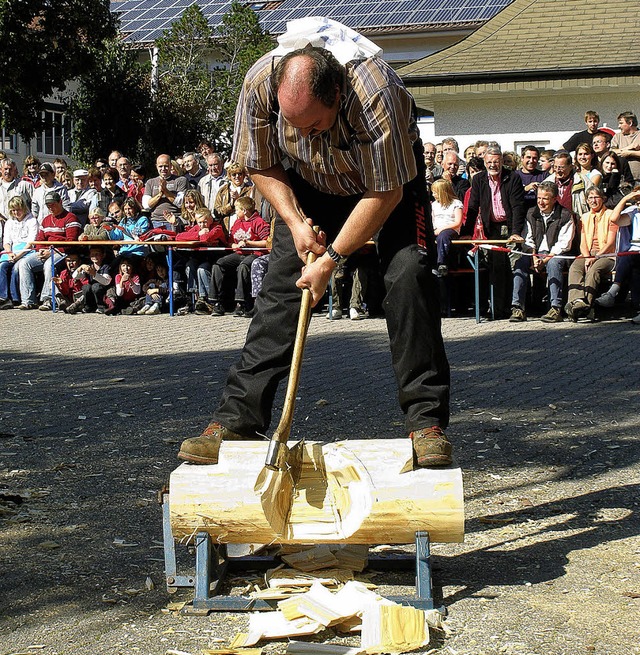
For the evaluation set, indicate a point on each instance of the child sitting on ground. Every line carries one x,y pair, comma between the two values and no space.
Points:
98,278
70,282
127,289
156,290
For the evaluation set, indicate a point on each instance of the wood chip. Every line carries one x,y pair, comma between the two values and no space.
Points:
393,629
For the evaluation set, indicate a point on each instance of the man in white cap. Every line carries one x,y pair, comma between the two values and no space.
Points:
81,195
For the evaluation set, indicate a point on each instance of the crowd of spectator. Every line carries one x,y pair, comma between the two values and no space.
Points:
549,211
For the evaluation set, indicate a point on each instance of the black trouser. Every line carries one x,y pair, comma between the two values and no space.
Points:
233,264
411,306
500,274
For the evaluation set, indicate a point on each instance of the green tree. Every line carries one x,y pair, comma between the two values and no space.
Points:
180,109
46,44
110,108
194,99
241,42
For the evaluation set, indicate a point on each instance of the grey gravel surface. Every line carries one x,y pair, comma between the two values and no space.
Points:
544,420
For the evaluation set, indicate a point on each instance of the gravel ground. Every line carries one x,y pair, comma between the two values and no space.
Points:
545,423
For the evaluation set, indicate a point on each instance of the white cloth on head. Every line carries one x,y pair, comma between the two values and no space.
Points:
344,43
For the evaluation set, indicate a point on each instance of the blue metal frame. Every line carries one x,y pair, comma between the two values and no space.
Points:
212,564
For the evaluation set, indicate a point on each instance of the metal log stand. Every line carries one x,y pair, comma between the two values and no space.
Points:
213,564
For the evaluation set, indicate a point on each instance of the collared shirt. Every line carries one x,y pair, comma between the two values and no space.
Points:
498,214
369,147
209,187
564,192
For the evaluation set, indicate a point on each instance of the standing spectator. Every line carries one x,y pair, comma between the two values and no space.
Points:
138,178
123,165
11,186
236,186
598,237
95,179
82,195
592,120
587,163
626,143
210,184
48,183
110,193
113,157
602,147
61,167
530,174
571,185
546,161
58,225
481,148
19,231
451,166
193,172
612,183
498,195
433,170
165,192
30,168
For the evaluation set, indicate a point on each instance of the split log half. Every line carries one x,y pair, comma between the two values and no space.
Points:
346,492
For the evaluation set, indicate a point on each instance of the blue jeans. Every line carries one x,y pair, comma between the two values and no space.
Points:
9,281
521,271
443,243
28,266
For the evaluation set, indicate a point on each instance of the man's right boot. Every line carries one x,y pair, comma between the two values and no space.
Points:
205,448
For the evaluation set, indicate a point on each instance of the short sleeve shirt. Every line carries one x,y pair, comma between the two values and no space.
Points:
369,147
175,185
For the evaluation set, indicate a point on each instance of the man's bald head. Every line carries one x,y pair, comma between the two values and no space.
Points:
308,83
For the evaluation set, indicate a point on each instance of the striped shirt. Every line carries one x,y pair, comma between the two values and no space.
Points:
369,147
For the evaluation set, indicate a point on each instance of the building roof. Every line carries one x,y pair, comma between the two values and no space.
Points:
531,41
143,21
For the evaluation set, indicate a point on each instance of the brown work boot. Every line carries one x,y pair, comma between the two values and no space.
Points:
431,447
205,448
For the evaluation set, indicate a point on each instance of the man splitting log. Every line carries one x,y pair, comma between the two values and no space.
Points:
336,145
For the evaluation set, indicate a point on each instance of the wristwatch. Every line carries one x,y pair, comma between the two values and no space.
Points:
339,259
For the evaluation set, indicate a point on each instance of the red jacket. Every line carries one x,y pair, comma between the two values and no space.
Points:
215,236
64,227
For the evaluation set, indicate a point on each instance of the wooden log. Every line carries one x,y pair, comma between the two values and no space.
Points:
347,492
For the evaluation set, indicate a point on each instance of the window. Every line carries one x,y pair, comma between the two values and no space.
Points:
7,141
55,138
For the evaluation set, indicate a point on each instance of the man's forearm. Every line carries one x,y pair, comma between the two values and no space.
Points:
274,185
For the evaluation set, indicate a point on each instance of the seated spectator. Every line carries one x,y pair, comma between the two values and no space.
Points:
592,121
69,283
199,262
130,228
587,164
626,142
110,191
81,195
156,290
626,213
127,289
613,184
546,161
602,147
192,201
19,231
123,166
598,237
530,174
97,277
58,225
549,231
237,186
94,230
447,215
248,231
